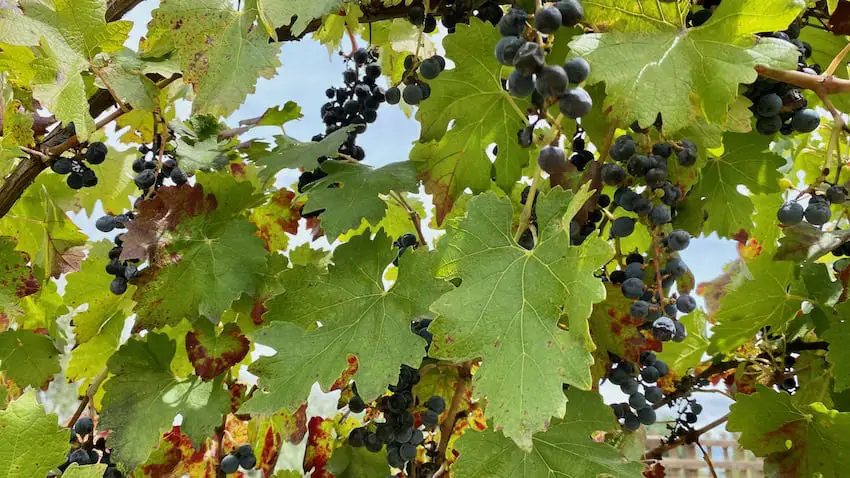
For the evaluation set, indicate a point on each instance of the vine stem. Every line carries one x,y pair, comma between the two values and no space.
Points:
35,153
448,425
90,391
691,437
412,214
529,203
707,458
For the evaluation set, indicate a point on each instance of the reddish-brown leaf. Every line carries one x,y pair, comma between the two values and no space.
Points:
277,218
213,354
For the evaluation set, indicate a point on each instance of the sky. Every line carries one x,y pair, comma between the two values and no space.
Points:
307,71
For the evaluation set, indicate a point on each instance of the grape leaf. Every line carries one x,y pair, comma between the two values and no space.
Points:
17,126
88,471
114,193
123,73
220,55
201,155
746,160
615,331
293,154
772,297
16,277
566,449
356,312
142,398
176,456
629,16
216,262
27,358
797,440
213,353
636,65
38,445
69,33
471,96
526,357
681,356
276,219
356,198
839,355
297,14
806,242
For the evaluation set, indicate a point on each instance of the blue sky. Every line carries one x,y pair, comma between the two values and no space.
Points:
307,70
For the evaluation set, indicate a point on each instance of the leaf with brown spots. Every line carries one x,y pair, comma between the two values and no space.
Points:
320,445
170,207
212,354
615,331
277,218
176,456
273,431
16,278
28,358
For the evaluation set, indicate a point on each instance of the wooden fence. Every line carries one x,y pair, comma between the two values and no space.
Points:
729,460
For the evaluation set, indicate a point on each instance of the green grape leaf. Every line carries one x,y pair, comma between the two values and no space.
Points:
297,14
526,357
471,96
746,160
796,440
349,462
805,242
218,262
124,74
356,312
628,16
614,330
39,442
395,223
772,297
203,155
567,448
293,154
277,219
681,356
220,55
27,358
68,35
88,471
636,65
142,398
213,353
276,116
16,277
838,355
356,198
17,126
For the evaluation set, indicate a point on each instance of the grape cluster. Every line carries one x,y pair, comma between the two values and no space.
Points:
80,175
354,105
85,450
581,157
687,411
638,410
531,74
124,271
781,107
243,457
405,422
817,212
453,12
151,174
415,71
403,243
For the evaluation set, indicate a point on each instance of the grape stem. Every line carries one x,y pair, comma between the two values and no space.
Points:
448,425
412,214
90,392
35,153
707,458
529,203
690,437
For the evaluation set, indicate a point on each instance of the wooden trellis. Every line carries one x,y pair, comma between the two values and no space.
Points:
729,460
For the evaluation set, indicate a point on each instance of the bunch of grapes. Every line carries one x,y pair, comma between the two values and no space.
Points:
124,271
687,411
353,105
638,410
581,157
85,450
817,212
80,175
453,12
404,422
415,71
151,174
243,457
403,243
520,49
